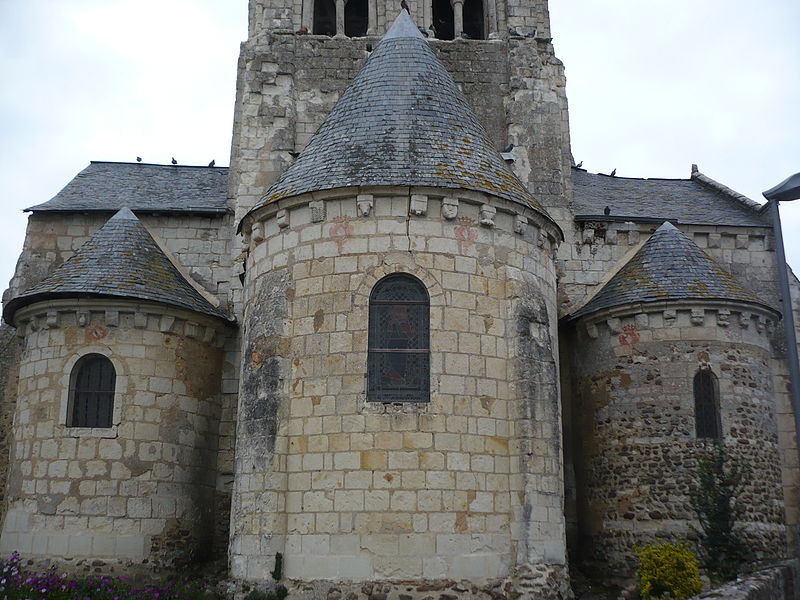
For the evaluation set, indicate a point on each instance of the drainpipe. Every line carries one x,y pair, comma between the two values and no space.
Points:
784,191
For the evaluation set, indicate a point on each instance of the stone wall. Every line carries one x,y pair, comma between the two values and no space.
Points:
634,425
9,375
141,490
781,582
467,485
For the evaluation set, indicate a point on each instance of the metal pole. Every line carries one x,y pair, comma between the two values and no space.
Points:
788,319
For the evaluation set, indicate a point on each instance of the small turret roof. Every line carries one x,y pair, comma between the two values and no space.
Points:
401,122
669,266
121,260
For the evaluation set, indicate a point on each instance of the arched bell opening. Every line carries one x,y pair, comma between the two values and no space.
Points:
474,20
356,16
443,20
324,17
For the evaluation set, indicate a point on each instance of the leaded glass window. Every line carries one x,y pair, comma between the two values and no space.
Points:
706,405
398,364
91,394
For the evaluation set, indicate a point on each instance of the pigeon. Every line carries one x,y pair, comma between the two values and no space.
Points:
174,162
531,34
432,29
579,165
514,33
138,159
212,163
423,31
508,148
607,210
404,6
613,173
465,36
302,31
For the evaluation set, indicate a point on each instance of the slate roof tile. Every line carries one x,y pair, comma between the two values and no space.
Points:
109,186
678,200
401,122
120,260
669,266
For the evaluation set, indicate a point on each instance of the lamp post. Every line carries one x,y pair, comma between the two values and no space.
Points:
784,191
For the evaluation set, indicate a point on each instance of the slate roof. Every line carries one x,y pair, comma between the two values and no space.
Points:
686,201
121,260
669,266
401,122
109,186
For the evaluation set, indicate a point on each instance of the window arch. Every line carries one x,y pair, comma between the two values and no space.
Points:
398,362
324,17
91,392
706,405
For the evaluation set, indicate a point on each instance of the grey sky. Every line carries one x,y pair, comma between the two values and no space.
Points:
653,86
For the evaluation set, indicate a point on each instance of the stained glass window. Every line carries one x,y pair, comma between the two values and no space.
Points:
92,385
398,365
706,405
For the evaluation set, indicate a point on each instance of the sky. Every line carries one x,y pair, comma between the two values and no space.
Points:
653,86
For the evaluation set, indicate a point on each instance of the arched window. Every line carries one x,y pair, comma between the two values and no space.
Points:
324,17
474,19
91,392
355,18
398,364
706,405
443,20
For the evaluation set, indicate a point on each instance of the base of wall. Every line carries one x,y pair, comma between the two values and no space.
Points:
539,582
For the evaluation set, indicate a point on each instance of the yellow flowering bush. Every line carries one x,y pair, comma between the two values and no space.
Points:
668,569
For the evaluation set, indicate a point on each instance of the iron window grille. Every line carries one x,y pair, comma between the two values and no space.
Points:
706,405
398,361
91,393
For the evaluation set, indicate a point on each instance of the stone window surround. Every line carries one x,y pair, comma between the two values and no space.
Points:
712,403
121,384
490,17
92,364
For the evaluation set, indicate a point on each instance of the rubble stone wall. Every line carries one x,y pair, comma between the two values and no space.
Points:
468,485
634,425
142,489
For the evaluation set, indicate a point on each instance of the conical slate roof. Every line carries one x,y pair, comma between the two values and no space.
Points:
121,260
401,122
669,266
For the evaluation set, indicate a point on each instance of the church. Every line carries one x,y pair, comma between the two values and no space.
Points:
402,340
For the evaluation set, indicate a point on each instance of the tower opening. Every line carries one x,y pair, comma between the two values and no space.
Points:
355,18
324,17
474,19
444,20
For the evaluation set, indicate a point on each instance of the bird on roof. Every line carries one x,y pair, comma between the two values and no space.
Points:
613,173
607,210
423,31
174,162
531,34
514,33
508,148
465,36
579,165
432,29
404,6
212,163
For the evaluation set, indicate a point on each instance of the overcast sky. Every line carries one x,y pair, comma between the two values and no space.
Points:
653,86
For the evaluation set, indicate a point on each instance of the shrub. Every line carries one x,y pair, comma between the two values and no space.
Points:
718,483
668,569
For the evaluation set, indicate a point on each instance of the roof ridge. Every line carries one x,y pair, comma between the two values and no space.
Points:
725,190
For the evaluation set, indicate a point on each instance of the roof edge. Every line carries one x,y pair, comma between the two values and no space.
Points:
724,189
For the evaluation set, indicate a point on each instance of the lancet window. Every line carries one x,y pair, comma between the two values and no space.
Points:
706,405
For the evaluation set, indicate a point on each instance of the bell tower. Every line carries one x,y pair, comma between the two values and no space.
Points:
301,55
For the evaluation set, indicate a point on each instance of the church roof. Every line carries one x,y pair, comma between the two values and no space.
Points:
686,201
109,186
669,266
121,260
401,122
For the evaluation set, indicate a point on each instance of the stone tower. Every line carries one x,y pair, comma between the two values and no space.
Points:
399,413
